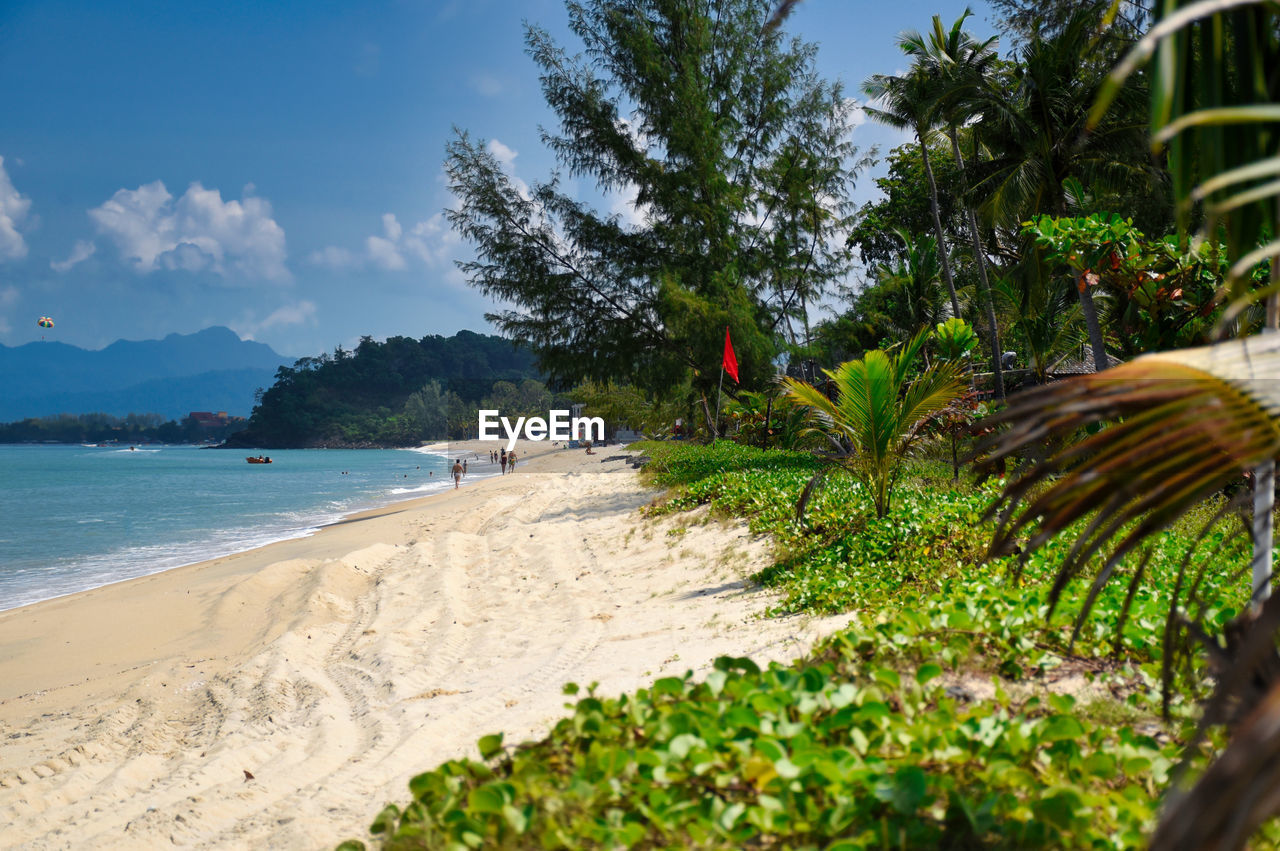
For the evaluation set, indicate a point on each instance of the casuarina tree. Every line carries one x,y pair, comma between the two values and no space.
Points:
736,156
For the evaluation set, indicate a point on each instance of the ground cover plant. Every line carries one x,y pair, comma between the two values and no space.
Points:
931,721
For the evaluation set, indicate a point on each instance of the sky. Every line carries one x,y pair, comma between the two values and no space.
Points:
276,167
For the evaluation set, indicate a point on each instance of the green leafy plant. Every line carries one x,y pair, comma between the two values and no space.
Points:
876,415
768,419
954,339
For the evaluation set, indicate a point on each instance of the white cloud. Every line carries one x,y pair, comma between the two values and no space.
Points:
487,85
197,232
431,242
507,158
857,115
333,257
502,153
624,205
301,313
291,314
391,226
82,251
13,209
383,251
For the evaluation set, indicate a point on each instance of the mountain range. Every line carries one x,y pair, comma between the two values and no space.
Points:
210,370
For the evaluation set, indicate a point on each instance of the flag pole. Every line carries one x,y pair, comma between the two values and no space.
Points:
719,389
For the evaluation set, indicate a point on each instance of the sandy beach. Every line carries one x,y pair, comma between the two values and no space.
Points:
279,698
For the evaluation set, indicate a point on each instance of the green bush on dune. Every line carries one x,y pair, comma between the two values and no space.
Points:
921,725
930,548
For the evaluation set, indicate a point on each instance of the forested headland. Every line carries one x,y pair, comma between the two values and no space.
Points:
105,428
400,392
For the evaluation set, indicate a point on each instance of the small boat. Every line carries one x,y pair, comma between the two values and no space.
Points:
259,460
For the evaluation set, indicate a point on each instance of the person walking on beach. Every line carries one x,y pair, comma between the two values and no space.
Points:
464,467
457,474
502,460
511,461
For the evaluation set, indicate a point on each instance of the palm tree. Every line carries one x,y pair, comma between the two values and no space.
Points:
1046,319
962,65
909,103
876,415
911,285
1038,133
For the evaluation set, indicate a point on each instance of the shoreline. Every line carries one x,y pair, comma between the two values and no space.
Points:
279,698
323,520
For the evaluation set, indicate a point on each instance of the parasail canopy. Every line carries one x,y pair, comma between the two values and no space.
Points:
45,322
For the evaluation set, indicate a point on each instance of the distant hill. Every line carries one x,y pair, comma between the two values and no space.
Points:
210,370
361,398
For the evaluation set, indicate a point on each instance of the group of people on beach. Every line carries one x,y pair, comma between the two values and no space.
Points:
506,460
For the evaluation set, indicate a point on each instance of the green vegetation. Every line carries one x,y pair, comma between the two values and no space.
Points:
396,393
1038,204
1004,139
876,415
931,721
104,428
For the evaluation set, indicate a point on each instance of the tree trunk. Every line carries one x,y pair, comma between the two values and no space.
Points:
937,226
804,309
955,455
984,286
712,426
1090,311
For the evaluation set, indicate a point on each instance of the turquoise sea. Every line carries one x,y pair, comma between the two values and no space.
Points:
78,517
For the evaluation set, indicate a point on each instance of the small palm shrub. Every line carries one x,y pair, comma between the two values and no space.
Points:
875,416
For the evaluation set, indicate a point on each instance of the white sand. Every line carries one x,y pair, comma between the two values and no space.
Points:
334,668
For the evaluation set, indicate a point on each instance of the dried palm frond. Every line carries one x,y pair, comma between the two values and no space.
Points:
1241,788
1176,428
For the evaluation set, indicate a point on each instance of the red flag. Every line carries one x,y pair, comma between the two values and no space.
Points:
730,360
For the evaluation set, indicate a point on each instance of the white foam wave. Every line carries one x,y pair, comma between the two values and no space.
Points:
427,488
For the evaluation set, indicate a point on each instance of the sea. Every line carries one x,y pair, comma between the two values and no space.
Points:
79,517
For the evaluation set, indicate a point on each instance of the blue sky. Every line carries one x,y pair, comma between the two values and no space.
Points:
276,166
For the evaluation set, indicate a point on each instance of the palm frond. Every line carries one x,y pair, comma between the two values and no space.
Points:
812,488
929,395
1236,795
1179,427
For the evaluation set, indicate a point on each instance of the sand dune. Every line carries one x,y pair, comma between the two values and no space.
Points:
279,698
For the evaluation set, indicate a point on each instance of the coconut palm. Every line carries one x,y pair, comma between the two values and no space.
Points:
1038,134
909,288
1046,319
876,415
909,102
962,65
